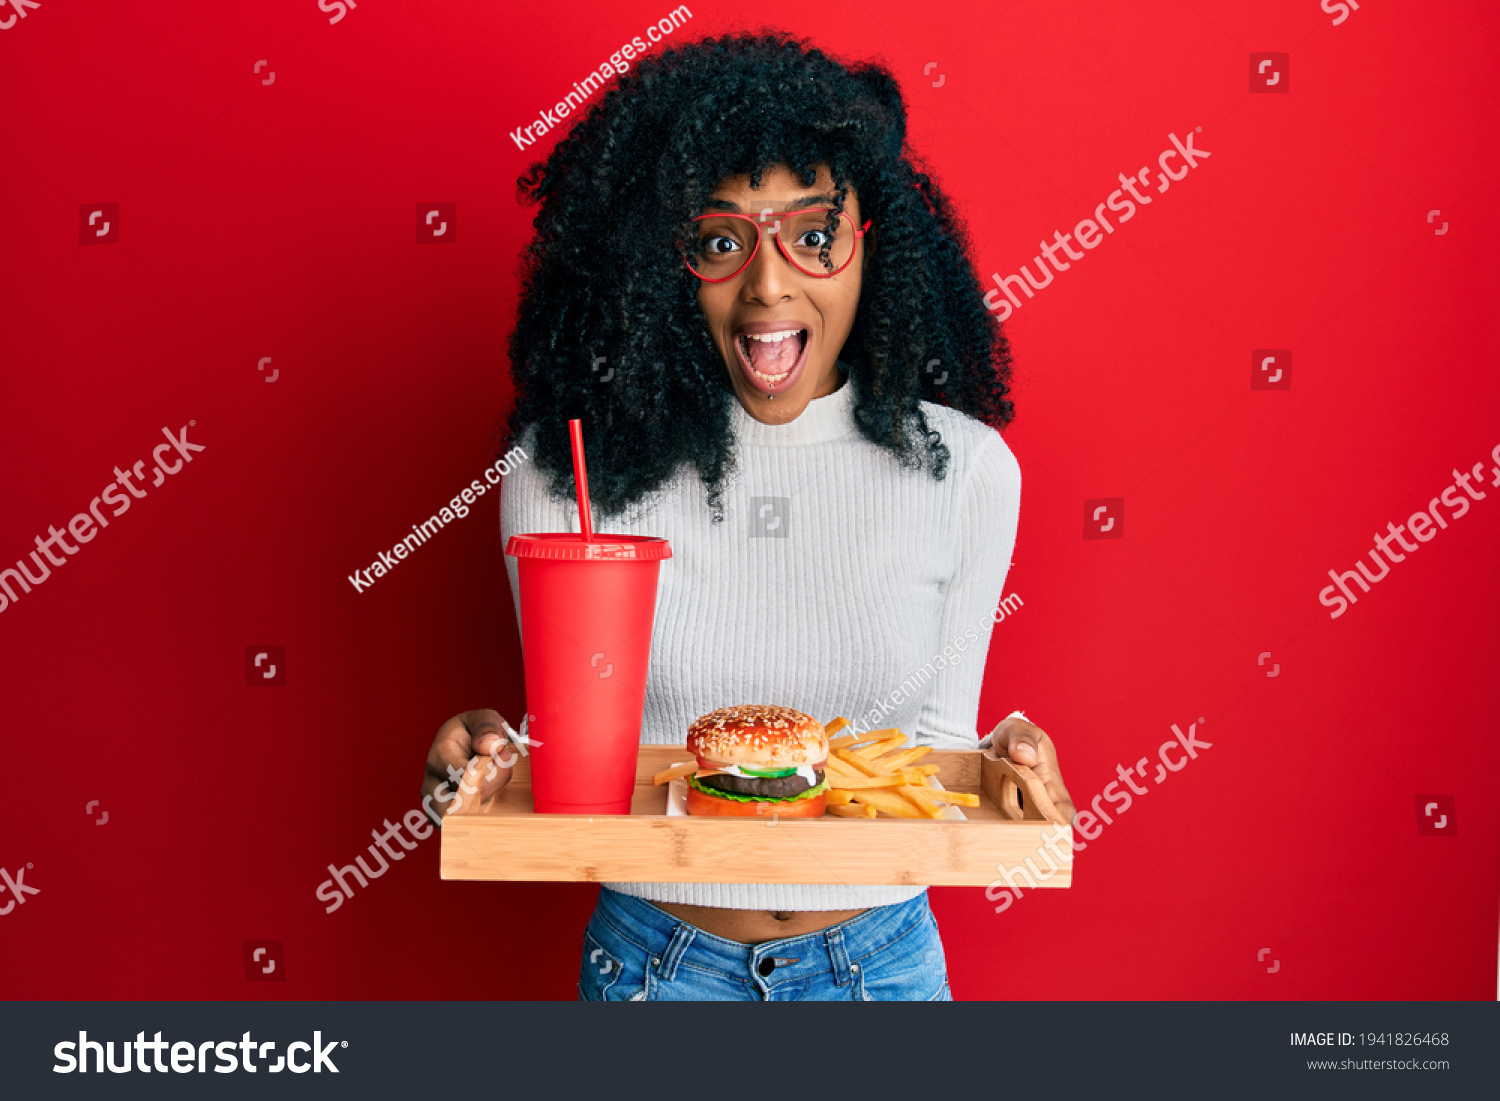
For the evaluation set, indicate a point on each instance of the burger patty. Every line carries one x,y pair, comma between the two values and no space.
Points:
779,788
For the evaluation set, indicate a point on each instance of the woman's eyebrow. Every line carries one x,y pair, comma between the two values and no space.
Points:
795,204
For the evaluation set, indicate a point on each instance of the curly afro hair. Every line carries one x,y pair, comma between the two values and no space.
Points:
605,295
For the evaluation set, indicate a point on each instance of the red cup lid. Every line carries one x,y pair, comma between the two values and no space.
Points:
568,546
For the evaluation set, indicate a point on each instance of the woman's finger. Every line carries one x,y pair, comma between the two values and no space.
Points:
452,747
1051,775
1064,807
484,729
493,771
458,742
1019,743
489,741
1025,743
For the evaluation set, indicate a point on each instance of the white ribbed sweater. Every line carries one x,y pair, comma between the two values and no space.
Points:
871,598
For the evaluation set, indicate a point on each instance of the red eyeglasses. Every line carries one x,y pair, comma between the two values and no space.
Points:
726,243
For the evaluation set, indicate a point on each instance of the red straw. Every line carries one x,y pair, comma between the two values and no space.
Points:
581,479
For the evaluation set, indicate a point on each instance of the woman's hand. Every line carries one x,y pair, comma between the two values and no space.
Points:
461,738
1027,744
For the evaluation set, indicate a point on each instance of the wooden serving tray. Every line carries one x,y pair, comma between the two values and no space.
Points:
507,840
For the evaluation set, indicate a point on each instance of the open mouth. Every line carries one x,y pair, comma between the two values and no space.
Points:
772,361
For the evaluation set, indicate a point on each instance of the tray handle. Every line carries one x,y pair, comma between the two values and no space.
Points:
473,778
1003,780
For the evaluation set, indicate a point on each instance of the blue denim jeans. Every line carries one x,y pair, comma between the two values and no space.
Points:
634,951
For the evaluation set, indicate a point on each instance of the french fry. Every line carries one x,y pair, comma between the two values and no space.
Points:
943,795
853,810
850,762
902,758
883,746
842,793
888,802
864,783
667,775
878,753
919,798
876,774
837,767
839,791
835,726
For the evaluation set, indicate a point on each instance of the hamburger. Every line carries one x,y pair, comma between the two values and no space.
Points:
758,760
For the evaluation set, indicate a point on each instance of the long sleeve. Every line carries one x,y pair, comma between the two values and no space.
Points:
986,512
526,507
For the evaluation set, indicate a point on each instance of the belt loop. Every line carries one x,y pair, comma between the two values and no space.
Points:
838,956
682,938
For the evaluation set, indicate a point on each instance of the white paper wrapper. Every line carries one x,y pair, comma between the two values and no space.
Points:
949,810
677,799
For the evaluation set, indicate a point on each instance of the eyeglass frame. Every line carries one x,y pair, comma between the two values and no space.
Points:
760,220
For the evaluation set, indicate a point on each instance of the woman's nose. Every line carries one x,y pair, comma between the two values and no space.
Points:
769,277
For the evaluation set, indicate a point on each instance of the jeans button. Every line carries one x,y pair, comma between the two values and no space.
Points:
765,967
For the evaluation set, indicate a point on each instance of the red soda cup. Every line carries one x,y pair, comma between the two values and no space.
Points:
587,607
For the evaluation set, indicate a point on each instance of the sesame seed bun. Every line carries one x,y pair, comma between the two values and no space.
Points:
758,736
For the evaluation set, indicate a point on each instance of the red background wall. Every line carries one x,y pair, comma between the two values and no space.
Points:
277,220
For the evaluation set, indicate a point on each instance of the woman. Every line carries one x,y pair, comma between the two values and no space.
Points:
764,313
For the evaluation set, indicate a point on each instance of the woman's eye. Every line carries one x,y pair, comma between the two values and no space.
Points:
822,239
717,246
